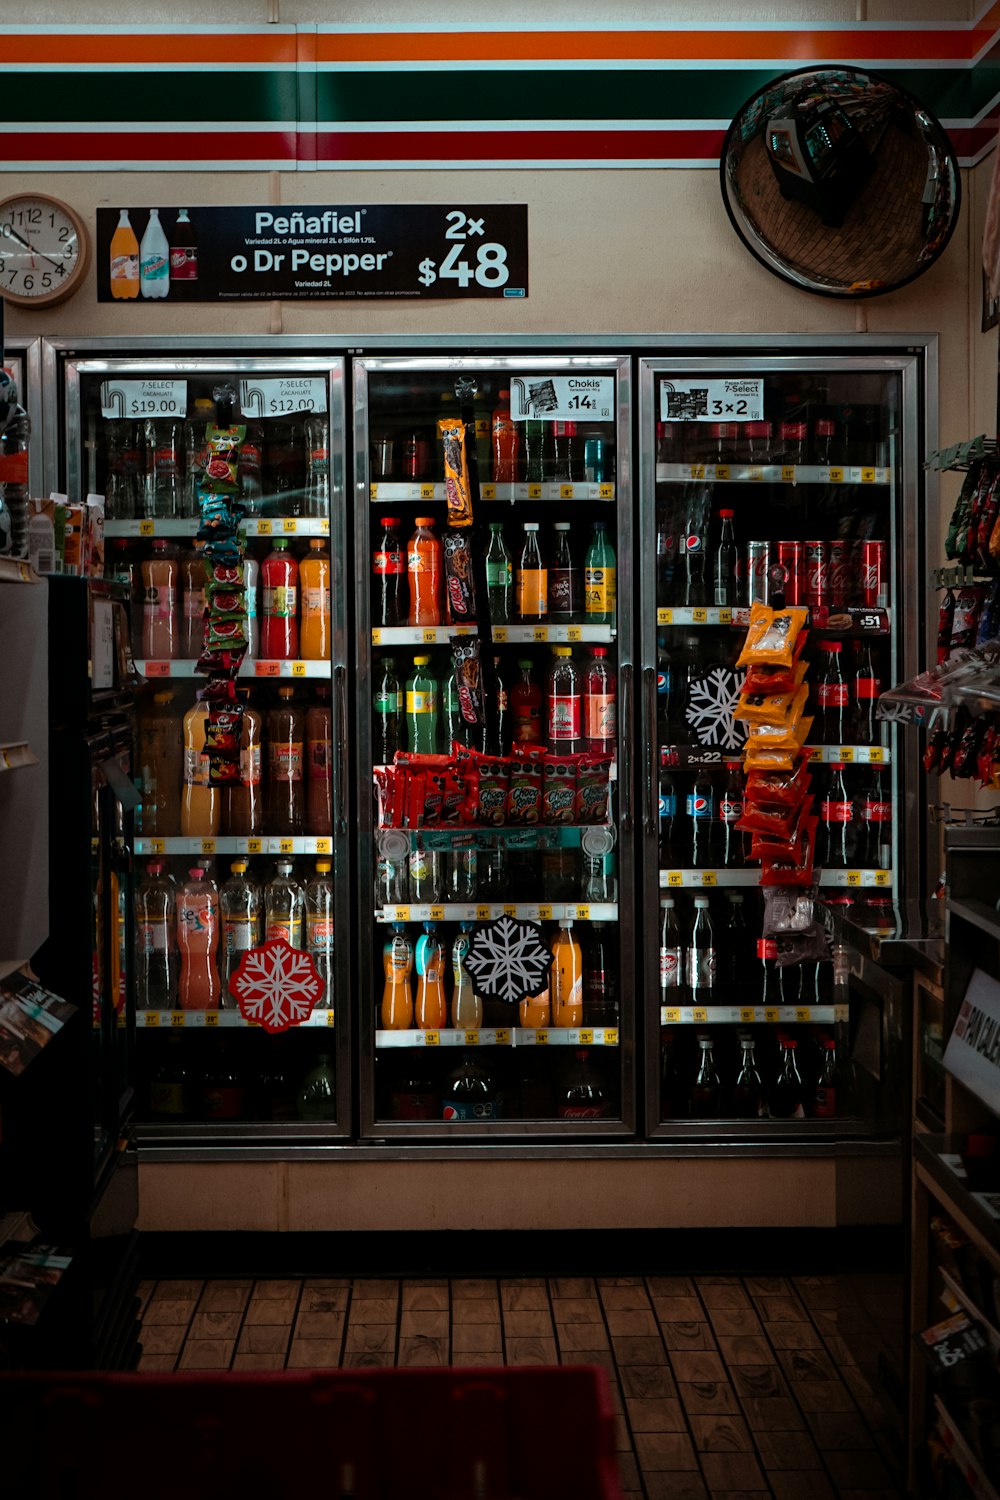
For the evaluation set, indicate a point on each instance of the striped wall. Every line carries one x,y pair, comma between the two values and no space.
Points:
302,97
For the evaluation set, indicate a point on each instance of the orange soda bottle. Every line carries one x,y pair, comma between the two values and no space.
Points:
200,987
425,572
397,961
314,590
430,1008
124,258
535,1011
201,803
567,978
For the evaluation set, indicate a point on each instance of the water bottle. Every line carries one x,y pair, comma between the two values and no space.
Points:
317,436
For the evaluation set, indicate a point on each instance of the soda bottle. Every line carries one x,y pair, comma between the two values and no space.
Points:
583,1097
425,571
748,1090
667,819
786,1100
526,707
566,981
426,871
567,458
120,497
156,942
503,708
317,435
506,435
161,630
183,253
423,700
316,1098
564,579
319,764
222,1091
124,259
251,469
154,259
284,906
165,492
598,460
251,579
700,955
732,840
314,578
535,1011
600,579
461,869
499,576
279,628
532,581
724,563
388,705
564,704
874,824
736,952
192,632
319,928
535,462
196,451
430,1010
672,962
706,1091
285,765
831,697
666,554
466,1006
867,687
471,1094
161,766
201,803
285,464
241,908
600,977
664,690
836,813
397,996
199,987
694,548
391,870
600,725
243,802
772,982
700,810
828,1083
389,596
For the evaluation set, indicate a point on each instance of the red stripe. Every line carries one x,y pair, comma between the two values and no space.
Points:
152,146
518,145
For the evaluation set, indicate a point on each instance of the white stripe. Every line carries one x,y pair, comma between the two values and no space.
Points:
708,164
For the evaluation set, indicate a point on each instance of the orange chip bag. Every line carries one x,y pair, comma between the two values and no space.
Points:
774,709
456,471
771,636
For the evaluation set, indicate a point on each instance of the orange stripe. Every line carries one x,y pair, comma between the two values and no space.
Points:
790,46
141,50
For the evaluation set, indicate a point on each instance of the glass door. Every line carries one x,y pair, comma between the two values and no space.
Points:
219,868
494,732
780,482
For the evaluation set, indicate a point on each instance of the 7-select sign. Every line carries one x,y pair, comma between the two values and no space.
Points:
319,252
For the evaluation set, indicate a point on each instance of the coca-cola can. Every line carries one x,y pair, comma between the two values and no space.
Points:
758,581
874,590
790,558
838,573
814,583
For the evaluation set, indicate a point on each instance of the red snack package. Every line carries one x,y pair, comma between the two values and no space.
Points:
796,867
414,798
524,799
452,788
593,786
219,692
223,730
221,663
458,575
223,769
558,787
774,822
494,789
781,788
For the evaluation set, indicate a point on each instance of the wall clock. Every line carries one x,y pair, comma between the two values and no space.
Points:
44,249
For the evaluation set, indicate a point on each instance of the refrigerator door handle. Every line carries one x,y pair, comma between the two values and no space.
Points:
650,800
628,734
340,681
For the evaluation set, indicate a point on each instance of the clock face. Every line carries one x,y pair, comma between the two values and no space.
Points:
43,250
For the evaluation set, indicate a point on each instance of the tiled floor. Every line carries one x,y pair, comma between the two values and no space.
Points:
724,1385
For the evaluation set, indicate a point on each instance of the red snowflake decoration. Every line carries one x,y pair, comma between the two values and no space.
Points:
276,985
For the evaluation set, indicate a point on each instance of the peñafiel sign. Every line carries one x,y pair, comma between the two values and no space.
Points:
312,253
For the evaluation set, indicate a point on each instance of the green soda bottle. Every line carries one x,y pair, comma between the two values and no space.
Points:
600,578
423,706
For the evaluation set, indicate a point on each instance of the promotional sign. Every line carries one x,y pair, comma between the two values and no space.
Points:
736,399
313,252
973,1051
559,398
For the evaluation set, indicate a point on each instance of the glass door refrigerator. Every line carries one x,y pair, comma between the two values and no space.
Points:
268,853
792,479
495,728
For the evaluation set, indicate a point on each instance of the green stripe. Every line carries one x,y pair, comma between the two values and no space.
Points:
156,98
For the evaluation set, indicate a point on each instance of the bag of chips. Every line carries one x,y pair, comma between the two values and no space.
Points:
771,636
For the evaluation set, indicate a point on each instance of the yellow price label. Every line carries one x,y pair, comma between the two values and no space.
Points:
788,473
427,492
699,1013
373,491
816,752
606,492
156,846
503,1037
323,846
771,1014
582,913
472,1039
208,846
286,846
299,669
483,913
545,914
836,476
324,526
722,471
289,526
574,633
255,846
586,1037
177,1019
664,617
876,756
147,528
747,1012
376,637
151,1018
541,1037
699,616
437,913
429,636
263,528
432,1038
854,877
566,492
675,877
725,617
755,473
671,1015
697,471
488,491
540,633
611,1036
510,911
402,913
803,1013
211,1018
329,1018
846,753
867,476
709,877
534,492
500,634
883,877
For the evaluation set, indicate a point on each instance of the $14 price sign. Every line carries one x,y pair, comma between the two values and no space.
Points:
471,258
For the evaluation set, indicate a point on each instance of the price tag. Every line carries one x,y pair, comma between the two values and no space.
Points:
803,1013
566,492
500,634
151,1018
472,1038
771,1014
709,877
323,846
697,471
540,633
725,617
699,616
329,1018
255,846
722,471
876,756
267,669
289,526
664,617
534,492
836,476
324,526
376,637
675,877
211,1018
488,491
867,476
541,1038
788,474
503,1037
483,913
372,492
846,753
699,1013
143,398
147,528
432,1038
177,1019
286,846
605,492
545,914
510,911
427,492
672,1015
156,846
611,1036
263,528
816,752
755,473
299,669
208,846
574,633
437,913
402,913
747,1012
587,1037
429,635
883,877
582,914
854,877
278,395
561,397
157,669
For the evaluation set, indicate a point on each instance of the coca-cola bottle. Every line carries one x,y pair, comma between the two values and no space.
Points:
771,988
832,715
867,687
583,1097
732,850
748,1091
706,1091
836,811
786,1099
827,1085
390,601
600,977
874,824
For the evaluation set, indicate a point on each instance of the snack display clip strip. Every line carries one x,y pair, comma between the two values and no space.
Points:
225,640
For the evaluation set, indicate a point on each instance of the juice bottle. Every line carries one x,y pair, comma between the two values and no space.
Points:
200,987
160,617
567,978
124,259
279,626
251,579
319,928
241,908
161,766
314,580
532,578
319,763
284,907
535,1011
193,617
600,723
430,1010
397,999
243,803
285,765
506,443
466,1005
425,572
201,804
526,707
156,941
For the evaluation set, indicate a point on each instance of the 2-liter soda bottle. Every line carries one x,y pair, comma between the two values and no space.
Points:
200,986
425,571
390,601
397,994
279,626
600,575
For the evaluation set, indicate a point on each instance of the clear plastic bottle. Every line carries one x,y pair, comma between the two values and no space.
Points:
251,578
201,803
430,1009
285,765
315,623
397,994
317,436
316,1098
199,987
565,704
466,1005
600,578
156,945
243,801
251,469
319,763
566,985
700,955
196,451
319,928
672,966
161,628
154,259
285,906
165,489
531,578
241,907
121,499
499,576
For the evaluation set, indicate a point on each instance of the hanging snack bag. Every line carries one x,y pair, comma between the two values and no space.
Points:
767,680
465,654
771,636
458,576
456,471
989,513
958,527
524,799
968,606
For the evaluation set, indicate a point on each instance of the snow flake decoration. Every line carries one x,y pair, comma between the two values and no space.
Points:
509,960
276,985
711,704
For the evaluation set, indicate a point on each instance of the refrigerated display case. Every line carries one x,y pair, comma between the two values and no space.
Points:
792,479
501,825
268,854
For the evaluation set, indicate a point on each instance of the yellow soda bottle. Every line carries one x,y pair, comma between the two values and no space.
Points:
567,978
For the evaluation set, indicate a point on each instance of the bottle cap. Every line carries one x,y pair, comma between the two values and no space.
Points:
323,867
562,651
701,901
789,1044
666,901
531,525
286,690
197,872
758,429
284,867
390,521
238,866
705,1043
525,663
561,526
159,545
600,651
824,427
165,695
504,394
830,645
423,520
316,543
280,543
156,867
726,515
421,661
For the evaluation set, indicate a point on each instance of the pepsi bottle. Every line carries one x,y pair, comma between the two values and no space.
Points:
700,810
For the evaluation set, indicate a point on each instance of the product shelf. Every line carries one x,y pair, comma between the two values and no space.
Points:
751,1015
256,667
250,526
511,1036
530,911
512,836
827,755
773,474
696,879
212,1020
384,491
440,635
226,844
865,621
17,570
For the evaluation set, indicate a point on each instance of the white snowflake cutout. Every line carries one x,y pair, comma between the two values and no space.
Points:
711,704
509,960
276,985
